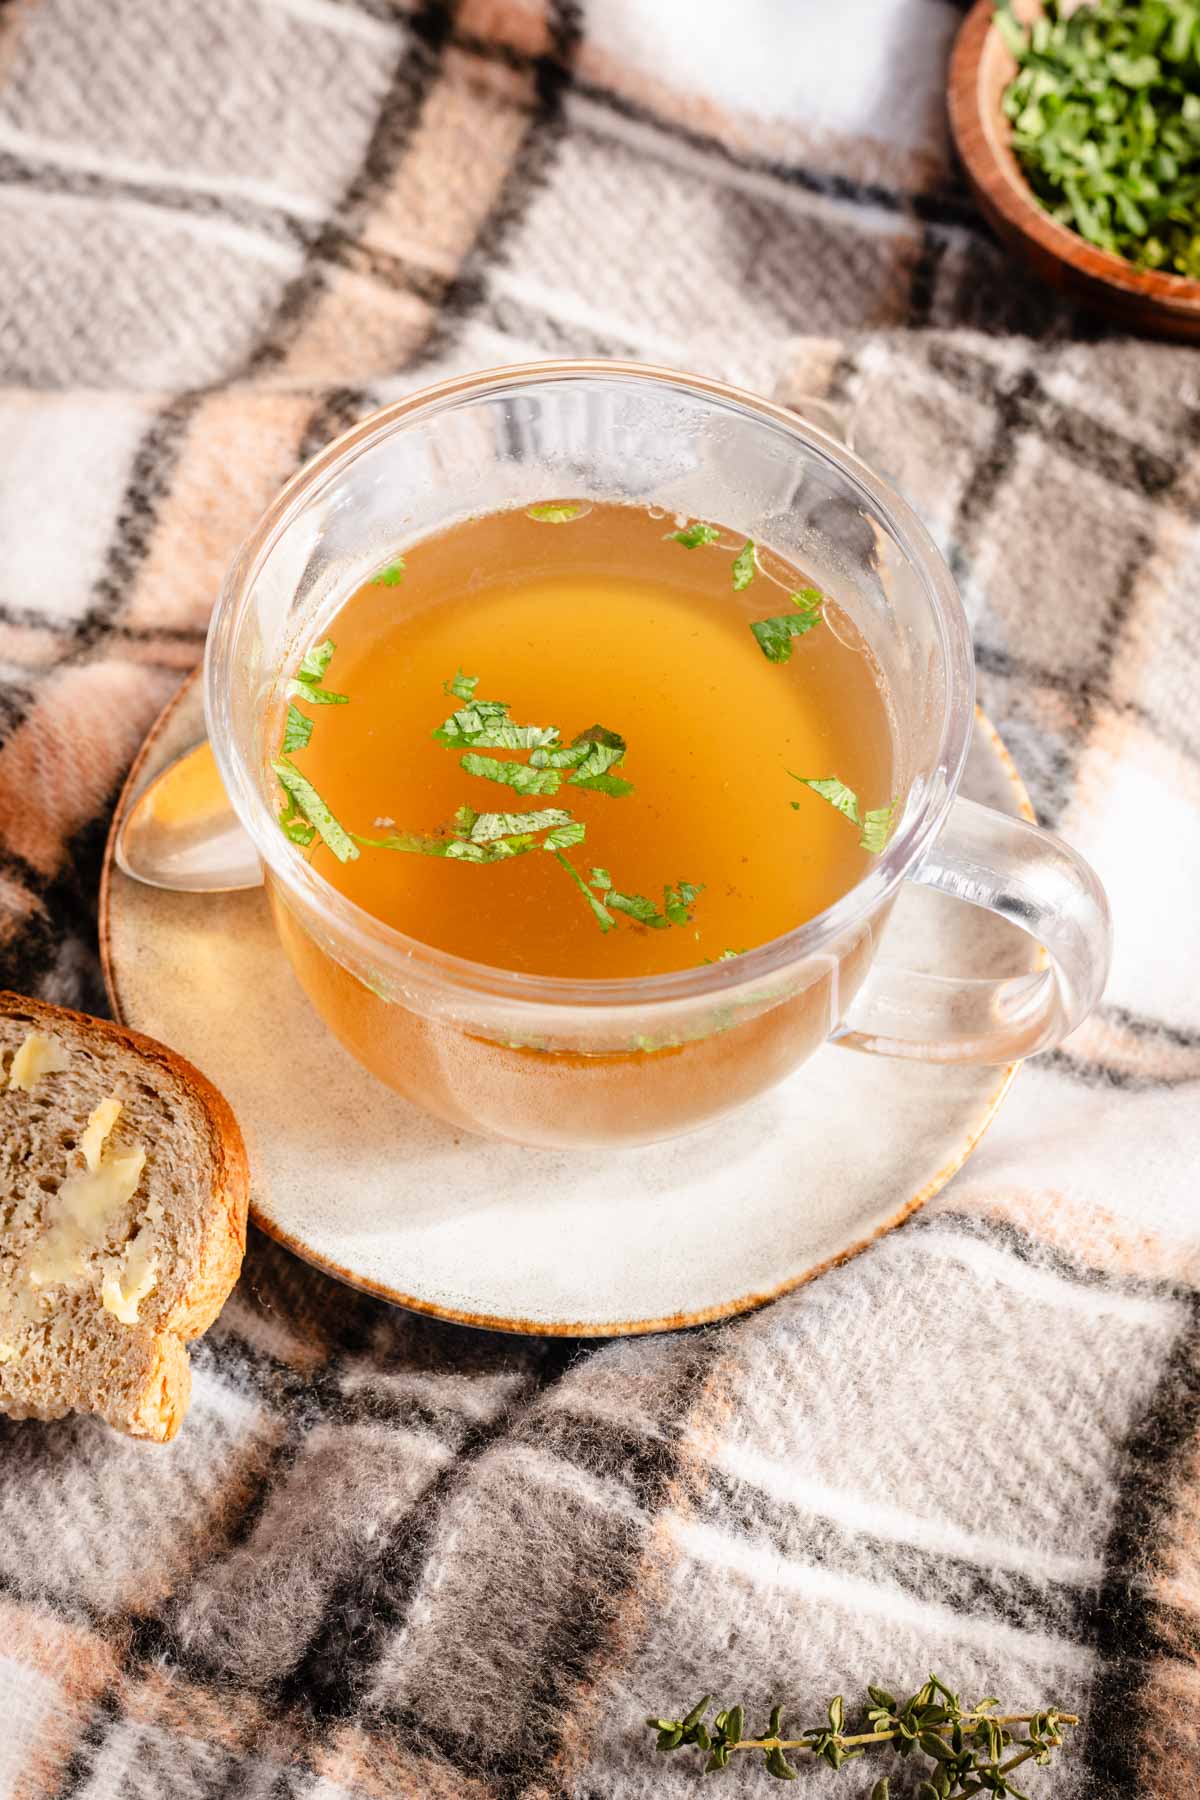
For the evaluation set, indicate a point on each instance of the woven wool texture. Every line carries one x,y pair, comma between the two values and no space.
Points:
388,1557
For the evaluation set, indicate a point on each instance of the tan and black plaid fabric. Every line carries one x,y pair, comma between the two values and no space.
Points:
387,1557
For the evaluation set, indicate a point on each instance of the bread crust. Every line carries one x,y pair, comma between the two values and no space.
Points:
156,1410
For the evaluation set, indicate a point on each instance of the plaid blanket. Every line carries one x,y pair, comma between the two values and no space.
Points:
390,1557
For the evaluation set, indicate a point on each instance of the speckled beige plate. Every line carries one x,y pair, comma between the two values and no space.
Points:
586,1243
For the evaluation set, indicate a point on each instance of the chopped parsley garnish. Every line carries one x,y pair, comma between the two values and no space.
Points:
307,801
296,731
316,695
520,777
564,837
392,576
569,757
676,901
306,682
502,734
1105,111
593,771
725,956
592,755
486,722
744,566
295,825
469,723
485,826
694,535
418,843
498,851
316,661
600,912
600,734
774,636
556,513
875,825
486,837
833,790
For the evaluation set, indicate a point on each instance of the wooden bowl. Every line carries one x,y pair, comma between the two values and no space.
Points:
1142,299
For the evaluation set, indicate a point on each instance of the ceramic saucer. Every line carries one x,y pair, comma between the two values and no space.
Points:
585,1242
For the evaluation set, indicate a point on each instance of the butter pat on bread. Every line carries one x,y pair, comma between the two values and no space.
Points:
124,1187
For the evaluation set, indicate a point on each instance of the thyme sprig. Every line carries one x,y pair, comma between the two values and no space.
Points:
967,1746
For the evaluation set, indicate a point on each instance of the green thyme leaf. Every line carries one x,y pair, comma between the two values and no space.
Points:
694,535
779,1766
601,913
518,776
296,731
833,790
310,803
876,826
392,576
725,956
600,878
555,513
462,686
744,566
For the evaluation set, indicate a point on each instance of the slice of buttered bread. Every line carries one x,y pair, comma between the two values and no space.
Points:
123,1194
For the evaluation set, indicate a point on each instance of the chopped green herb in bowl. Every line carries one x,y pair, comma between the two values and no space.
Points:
1105,114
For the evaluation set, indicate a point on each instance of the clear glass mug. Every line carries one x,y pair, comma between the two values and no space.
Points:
564,1063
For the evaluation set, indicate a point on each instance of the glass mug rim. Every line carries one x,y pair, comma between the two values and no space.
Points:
372,938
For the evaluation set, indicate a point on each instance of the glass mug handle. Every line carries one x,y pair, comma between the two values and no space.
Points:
1023,874
1019,871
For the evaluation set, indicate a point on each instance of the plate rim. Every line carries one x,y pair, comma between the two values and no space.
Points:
565,1328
